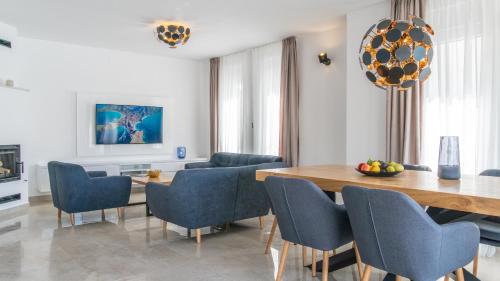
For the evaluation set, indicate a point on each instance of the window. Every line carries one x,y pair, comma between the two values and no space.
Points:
249,101
460,94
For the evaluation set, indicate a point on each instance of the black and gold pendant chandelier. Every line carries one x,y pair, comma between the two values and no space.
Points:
397,53
173,35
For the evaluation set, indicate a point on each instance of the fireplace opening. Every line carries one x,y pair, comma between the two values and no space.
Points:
11,166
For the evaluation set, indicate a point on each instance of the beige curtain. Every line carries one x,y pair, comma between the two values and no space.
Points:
214,105
289,106
404,109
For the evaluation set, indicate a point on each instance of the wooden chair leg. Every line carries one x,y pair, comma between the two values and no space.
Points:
271,236
304,256
324,270
284,254
72,219
59,214
164,226
261,223
460,274
228,225
198,235
313,260
367,273
121,212
399,278
475,265
358,260
103,215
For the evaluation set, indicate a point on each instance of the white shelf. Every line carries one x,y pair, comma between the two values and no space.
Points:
14,88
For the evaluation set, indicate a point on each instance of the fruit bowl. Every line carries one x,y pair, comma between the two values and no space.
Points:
379,174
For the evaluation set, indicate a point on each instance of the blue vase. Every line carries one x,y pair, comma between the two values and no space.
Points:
449,158
181,152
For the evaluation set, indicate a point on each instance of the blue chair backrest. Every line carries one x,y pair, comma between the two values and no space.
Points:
417,167
226,159
393,232
69,177
306,215
490,173
51,166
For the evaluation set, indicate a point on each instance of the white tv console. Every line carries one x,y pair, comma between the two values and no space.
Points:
119,166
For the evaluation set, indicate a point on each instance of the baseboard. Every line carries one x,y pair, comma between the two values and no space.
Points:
40,199
14,210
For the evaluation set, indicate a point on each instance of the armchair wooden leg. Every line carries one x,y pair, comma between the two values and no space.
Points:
72,219
460,274
304,256
103,215
261,223
475,265
164,226
367,273
358,260
121,212
271,236
399,278
198,235
313,260
59,213
326,258
284,254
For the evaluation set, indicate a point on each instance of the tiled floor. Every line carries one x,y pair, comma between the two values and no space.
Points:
34,247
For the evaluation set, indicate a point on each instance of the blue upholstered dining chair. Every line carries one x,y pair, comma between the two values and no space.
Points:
489,226
75,191
306,216
393,233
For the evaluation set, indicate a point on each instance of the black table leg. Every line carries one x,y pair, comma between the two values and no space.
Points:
338,261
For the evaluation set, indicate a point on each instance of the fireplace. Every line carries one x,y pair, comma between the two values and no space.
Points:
11,166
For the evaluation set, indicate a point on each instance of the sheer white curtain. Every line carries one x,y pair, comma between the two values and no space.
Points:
234,104
461,96
249,101
266,80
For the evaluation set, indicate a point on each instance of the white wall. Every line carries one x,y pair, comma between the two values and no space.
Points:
365,134
55,72
323,96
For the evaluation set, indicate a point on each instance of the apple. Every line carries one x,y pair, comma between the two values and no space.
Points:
365,167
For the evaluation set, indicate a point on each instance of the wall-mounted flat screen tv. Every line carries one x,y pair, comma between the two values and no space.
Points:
128,124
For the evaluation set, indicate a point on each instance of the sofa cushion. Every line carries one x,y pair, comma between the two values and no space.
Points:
226,159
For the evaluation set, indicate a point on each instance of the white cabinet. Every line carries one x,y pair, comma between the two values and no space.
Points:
167,166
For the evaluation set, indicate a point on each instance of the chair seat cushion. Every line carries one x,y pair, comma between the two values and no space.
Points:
490,230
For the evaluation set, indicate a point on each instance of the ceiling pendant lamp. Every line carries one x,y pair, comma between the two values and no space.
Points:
173,35
397,53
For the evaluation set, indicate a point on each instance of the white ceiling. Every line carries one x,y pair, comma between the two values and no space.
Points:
218,27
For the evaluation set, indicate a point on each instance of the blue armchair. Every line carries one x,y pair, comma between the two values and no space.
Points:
196,198
393,233
75,191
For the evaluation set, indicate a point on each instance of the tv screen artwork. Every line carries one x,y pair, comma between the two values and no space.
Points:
128,124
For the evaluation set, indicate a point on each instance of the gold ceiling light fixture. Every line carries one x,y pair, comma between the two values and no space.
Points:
397,53
173,34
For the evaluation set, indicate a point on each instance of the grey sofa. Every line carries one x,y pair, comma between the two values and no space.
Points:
213,193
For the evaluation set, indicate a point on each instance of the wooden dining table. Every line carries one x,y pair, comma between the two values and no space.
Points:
474,194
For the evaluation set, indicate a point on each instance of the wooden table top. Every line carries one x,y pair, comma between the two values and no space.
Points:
163,179
476,194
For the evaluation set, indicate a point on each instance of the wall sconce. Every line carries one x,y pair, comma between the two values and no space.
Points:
323,58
